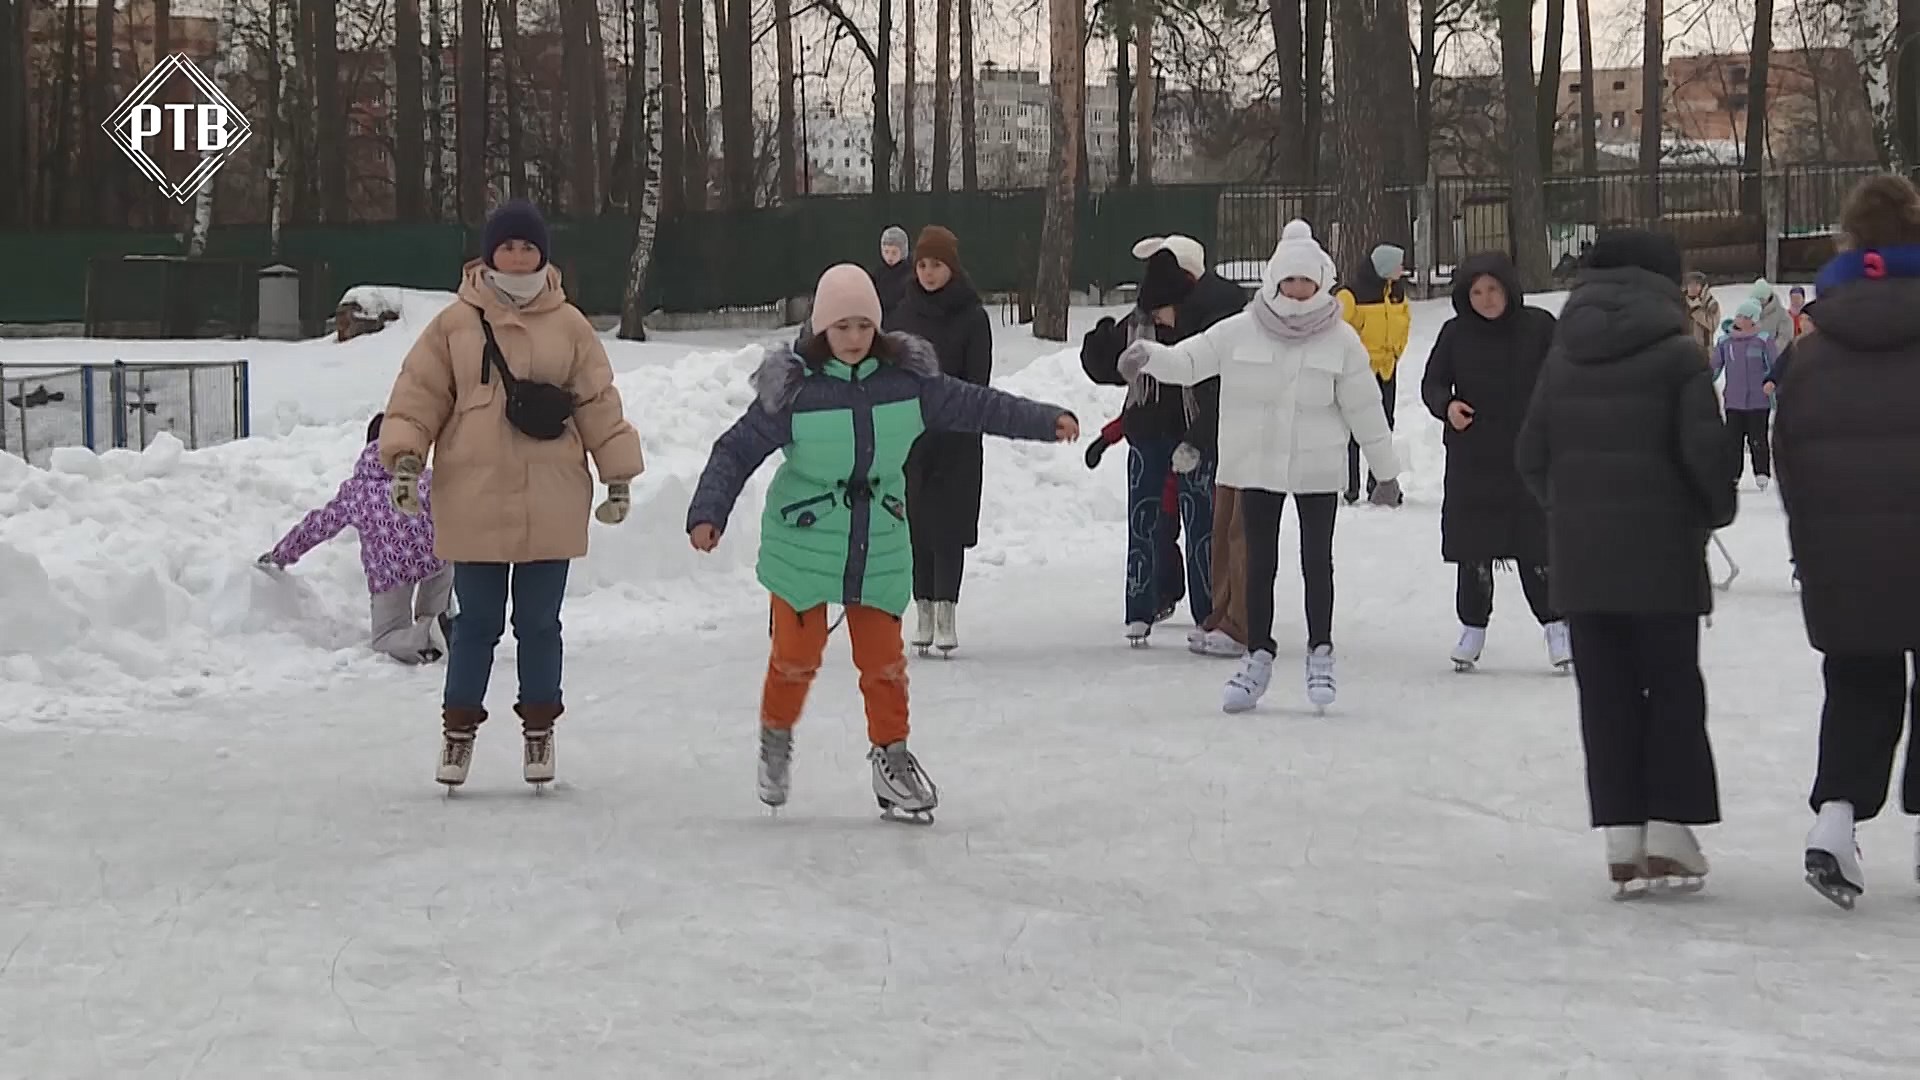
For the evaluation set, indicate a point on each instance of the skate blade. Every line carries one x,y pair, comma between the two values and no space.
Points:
1464,667
1563,668
1824,877
900,815
923,651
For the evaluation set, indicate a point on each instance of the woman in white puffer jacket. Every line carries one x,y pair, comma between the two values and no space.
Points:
1295,384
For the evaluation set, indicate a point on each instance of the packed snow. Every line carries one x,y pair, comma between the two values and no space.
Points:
225,855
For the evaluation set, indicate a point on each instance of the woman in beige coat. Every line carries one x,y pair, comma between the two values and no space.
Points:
511,489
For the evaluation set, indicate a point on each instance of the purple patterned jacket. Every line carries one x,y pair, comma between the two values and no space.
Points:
395,550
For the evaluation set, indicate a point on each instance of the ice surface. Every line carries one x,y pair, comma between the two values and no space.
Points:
225,856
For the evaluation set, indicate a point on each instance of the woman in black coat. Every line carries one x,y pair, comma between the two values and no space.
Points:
1478,382
943,470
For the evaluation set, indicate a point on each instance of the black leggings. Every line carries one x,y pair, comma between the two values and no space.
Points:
1261,511
937,569
1473,593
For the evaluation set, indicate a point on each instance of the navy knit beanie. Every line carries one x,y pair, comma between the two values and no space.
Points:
516,219
1642,248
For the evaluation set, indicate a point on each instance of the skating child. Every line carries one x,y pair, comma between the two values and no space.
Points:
1746,357
1296,383
410,588
844,409
1797,308
1703,311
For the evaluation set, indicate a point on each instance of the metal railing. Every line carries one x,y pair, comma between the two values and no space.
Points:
121,404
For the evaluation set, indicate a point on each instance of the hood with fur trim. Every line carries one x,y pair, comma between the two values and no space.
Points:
782,370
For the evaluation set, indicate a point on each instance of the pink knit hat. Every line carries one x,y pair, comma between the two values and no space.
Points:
844,292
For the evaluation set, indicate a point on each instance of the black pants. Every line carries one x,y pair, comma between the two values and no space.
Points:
1748,429
1643,719
1473,593
938,567
1353,445
1867,702
1261,511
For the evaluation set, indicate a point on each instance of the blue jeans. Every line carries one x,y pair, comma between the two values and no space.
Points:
482,589
1148,463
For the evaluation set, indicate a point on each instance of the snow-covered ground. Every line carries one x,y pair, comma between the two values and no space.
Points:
225,856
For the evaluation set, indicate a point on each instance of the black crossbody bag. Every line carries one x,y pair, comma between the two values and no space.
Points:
537,410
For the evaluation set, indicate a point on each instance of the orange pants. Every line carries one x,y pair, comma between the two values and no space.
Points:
799,642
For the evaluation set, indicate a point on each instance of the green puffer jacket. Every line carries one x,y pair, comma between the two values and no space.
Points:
835,526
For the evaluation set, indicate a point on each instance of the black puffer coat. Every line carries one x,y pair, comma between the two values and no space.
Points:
1847,442
1625,447
1492,367
944,469
892,283
1167,413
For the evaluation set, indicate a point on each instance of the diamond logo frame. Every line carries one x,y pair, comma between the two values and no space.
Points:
118,127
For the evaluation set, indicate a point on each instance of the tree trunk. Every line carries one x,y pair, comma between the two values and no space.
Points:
623,183
282,76
1652,71
633,301
1315,103
1547,111
1366,140
1906,80
1143,91
1054,280
582,125
736,103
910,105
1289,50
511,67
596,79
789,187
470,103
1754,154
223,78
969,127
331,114
1402,97
943,97
1589,112
1123,131
437,171
1426,65
15,196
694,73
1870,34
409,128
106,94
1528,207
59,166
672,117
882,60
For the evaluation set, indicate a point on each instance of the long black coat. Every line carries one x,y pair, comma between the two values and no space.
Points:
1847,442
1492,366
892,283
944,469
1625,447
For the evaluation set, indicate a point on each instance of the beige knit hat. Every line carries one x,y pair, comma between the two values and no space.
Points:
845,292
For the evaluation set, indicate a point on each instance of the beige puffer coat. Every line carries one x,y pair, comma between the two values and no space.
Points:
500,496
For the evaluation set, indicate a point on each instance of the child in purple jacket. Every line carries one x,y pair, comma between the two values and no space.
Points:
1746,356
410,588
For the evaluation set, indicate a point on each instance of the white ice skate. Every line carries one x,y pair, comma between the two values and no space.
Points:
1137,634
456,756
1249,684
1763,481
776,760
946,627
922,626
1197,641
1833,856
1560,646
1466,651
537,761
1627,860
1220,645
1675,863
1320,685
901,787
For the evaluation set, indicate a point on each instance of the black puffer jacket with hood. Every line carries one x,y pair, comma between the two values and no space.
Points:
1625,446
945,470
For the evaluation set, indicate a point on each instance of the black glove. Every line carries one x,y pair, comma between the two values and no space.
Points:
1095,449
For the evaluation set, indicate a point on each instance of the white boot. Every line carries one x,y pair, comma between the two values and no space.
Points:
946,626
1626,859
1833,856
1674,853
922,625
537,760
1220,644
1197,641
1137,633
1466,651
456,757
1320,684
1559,645
901,786
1249,684
776,762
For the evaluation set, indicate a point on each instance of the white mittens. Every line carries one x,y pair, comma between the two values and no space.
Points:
619,503
404,493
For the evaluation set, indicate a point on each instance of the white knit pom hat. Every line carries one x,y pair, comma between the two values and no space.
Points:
1188,252
1297,255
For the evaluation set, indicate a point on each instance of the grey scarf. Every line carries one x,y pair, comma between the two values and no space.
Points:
1307,317
1144,387
517,290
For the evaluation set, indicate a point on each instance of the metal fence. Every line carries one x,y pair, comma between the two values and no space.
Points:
175,297
101,406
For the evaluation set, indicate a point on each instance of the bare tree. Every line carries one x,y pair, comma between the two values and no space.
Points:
1284,17
511,74
1401,103
910,105
596,76
1547,111
789,186
1589,112
943,97
1870,26
1366,140
1528,201
437,171
222,77
1653,65
1054,282
1314,116
409,128
583,171
1759,68
694,74
880,61
969,127
736,103
103,96
330,148
1121,30
470,116
16,198
1144,90
672,118
633,302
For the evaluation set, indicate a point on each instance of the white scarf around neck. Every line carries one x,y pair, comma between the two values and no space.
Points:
519,290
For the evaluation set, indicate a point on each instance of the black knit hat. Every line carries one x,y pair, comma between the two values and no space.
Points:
1166,283
516,219
1642,248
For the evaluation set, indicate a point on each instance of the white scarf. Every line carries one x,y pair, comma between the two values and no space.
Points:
518,290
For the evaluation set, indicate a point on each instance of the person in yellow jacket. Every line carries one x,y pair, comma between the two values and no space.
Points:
1374,302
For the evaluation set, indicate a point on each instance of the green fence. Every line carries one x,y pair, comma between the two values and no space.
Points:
720,260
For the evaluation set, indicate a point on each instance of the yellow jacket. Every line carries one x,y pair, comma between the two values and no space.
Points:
1384,328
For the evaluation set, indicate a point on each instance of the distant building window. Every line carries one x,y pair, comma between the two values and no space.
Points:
1619,120
1619,84
1573,88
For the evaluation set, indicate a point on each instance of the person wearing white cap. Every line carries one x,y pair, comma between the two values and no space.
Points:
1295,385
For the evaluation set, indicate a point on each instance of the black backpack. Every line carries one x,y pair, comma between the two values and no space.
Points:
537,410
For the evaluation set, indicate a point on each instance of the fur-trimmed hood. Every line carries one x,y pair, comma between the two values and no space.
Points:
782,370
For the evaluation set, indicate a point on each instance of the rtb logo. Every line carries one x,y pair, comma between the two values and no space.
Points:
189,116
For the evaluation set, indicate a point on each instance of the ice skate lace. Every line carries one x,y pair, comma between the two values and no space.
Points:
457,751
1320,673
540,748
902,770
